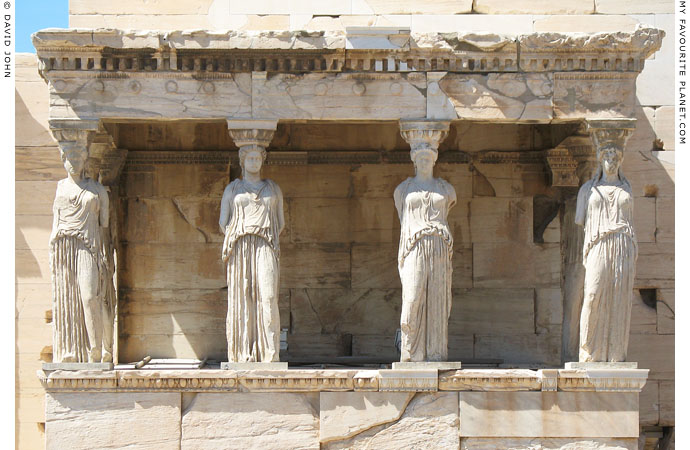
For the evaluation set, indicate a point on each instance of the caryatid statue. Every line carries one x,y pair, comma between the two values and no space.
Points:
605,209
425,253
251,217
77,260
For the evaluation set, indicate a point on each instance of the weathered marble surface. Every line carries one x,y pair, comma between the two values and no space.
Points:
548,444
111,421
429,421
250,420
343,415
548,414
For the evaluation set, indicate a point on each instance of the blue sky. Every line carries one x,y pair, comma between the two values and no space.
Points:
33,15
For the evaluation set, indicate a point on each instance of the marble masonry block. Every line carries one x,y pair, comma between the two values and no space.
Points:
653,352
345,414
549,414
600,365
141,420
34,197
549,443
633,7
446,7
536,265
495,220
666,311
665,219
32,266
645,219
250,420
586,23
368,180
462,267
254,365
338,96
170,99
348,311
494,96
647,175
460,346
485,311
549,309
430,420
667,403
169,312
187,219
540,349
318,345
533,7
314,266
307,181
601,94
507,23
458,175
375,266
373,220
664,126
162,266
37,164
459,223
643,318
77,7
497,180
332,215
205,180
655,265
152,21
134,347
649,404
378,345
32,232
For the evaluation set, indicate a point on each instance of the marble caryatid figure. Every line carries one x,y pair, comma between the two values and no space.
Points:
79,265
425,252
605,209
251,216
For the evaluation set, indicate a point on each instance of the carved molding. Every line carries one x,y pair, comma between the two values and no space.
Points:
210,380
141,158
563,168
298,51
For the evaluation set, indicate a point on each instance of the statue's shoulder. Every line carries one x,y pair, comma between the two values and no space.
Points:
585,188
403,186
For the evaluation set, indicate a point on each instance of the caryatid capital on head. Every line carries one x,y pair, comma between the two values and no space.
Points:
424,135
610,133
252,134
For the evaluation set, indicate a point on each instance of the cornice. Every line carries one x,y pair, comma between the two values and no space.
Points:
206,52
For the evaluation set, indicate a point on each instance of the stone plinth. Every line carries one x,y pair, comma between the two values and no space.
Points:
337,409
438,365
601,365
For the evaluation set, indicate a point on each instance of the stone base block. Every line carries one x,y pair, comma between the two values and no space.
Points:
77,366
601,365
421,365
254,366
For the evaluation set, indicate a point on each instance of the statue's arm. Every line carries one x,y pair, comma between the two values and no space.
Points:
104,210
581,207
281,215
56,215
452,195
398,198
226,207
